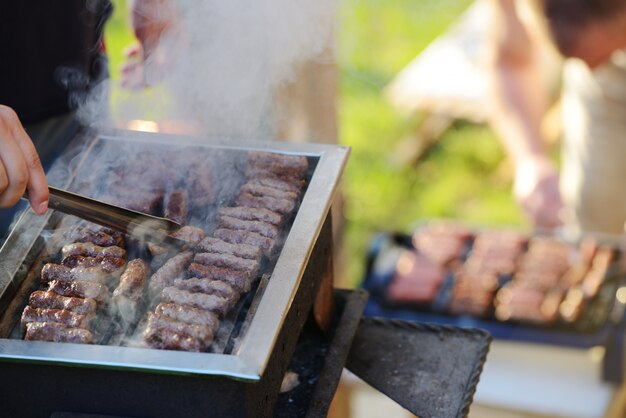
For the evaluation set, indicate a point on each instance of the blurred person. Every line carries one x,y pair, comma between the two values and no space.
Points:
590,36
53,59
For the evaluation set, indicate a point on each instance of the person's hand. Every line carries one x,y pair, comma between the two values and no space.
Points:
537,190
20,167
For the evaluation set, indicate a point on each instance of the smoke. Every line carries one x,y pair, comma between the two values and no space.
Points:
222,62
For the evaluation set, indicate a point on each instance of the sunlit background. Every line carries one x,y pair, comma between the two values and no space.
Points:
463,175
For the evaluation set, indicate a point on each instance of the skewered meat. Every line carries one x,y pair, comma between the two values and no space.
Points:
262,228
102,237
216,245
92,250
80,289
172,269
201,332
234,236
109,264
227,261
60,272
176,206
253,214
167,339
213,303
188,314
238,279
282,206
52,331
61,316
51,300
256,189
208,286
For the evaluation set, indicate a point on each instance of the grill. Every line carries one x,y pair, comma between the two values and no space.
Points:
240,374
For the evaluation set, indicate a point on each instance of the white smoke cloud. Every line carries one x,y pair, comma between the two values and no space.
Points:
228,58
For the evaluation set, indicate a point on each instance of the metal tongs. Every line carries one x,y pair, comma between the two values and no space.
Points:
140,225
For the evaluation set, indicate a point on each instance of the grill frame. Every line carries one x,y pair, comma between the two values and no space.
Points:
253,354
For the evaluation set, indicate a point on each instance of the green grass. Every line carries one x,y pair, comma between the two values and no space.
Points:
464,176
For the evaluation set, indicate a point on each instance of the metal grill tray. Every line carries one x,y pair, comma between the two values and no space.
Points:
604,309
252,353
431,370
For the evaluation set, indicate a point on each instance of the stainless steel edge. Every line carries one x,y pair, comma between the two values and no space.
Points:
134,358
249,362
293,259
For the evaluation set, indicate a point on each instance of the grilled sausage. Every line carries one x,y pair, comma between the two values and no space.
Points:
189,314
213,303
282,206
262,228
253,214
201,332
234,236
61,316
111,265
218,246
51,271
51,300
172,269
167,339
208,286
227,261
52,331
80,289
92,250
240,280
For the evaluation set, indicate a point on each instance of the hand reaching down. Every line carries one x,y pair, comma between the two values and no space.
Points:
20,167
537,190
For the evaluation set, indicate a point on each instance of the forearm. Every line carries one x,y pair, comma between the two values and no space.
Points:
517,86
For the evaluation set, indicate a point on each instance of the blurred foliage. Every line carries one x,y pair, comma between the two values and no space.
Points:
463,176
